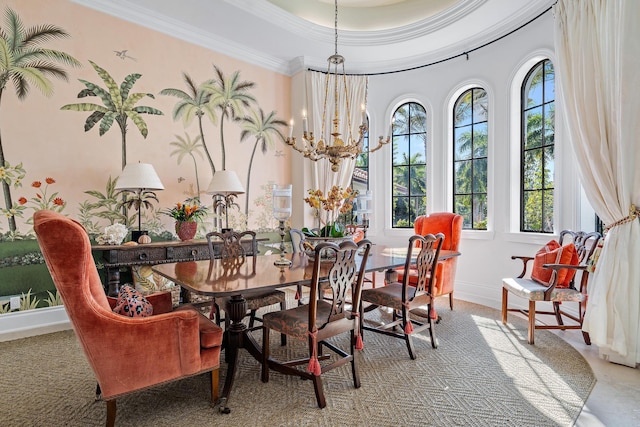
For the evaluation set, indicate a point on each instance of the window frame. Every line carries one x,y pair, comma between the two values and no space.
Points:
541,63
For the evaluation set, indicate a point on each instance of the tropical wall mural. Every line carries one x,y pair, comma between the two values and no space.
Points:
83,93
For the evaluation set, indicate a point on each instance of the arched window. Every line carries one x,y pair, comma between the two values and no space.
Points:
537,149
470,147
409,169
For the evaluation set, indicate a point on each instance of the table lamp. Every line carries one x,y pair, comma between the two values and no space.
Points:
281,195
224,187
141,179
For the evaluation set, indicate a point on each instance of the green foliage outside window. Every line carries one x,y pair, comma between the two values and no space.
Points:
538,149
409,169
470,152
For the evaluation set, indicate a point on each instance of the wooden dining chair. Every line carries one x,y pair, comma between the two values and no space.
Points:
323,318
233,247
554,279
403,297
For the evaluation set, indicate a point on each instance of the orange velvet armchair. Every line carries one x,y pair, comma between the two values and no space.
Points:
157,349
449,224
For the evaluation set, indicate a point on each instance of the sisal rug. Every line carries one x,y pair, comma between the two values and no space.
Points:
482,374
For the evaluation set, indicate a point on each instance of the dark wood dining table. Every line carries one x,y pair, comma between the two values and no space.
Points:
228,278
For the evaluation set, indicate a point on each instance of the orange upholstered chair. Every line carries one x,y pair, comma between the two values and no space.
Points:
126,354
449,224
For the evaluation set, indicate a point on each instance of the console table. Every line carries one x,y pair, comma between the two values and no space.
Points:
115,256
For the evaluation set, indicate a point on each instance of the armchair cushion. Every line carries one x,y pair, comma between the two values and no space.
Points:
132,303
553,253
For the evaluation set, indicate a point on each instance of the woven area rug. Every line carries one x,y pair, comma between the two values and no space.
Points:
482,374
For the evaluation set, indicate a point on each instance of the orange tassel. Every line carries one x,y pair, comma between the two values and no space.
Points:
314,365
408,328
359,343
212,313
433,314
297,295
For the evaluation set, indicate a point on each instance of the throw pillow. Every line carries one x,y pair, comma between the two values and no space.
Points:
132,303
147,282
553,253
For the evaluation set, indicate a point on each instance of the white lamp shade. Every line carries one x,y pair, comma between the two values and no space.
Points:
225,182
138,176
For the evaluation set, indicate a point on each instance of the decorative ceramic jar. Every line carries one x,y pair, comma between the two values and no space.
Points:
186,230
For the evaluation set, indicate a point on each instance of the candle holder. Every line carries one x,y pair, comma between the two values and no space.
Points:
364,209
281,196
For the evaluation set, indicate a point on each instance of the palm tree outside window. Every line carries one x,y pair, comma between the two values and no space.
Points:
537,149
470,149
409,168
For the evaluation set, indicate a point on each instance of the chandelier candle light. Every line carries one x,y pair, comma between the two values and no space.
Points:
332,147
281,196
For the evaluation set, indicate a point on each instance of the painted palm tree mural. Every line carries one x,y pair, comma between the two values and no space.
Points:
264,129
195,102
188,147
25,62
231,96
119,106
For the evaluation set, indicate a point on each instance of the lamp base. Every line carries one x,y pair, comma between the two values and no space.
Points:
135,234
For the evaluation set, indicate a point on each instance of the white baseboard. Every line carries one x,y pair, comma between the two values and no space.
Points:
22,324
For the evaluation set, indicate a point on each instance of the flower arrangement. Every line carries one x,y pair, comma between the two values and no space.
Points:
337,201
186,212
113,235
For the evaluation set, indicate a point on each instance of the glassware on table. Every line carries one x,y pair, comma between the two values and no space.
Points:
281,195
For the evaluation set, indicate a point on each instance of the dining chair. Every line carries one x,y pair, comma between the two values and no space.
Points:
405,297
553,279
233,247
322,318
449,224
127,353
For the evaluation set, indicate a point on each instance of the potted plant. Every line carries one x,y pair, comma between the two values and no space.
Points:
186,216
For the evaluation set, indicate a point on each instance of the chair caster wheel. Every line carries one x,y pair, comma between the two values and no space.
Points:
224,410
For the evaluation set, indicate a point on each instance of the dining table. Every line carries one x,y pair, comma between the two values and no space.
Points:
235,280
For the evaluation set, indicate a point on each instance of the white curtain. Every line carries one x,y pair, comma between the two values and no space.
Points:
597,45
324,178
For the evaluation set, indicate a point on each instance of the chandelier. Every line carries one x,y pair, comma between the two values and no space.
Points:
332,147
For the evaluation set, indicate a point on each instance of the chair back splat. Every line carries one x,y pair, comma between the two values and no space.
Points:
234,250
411,295
338,270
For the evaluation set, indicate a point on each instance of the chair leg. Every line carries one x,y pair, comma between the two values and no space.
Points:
252,318
556,310
432,333
283,337
215,388
265,354
407,337
354,363
317,386
587,338
532,321
505,295
451,300
111,413
98,392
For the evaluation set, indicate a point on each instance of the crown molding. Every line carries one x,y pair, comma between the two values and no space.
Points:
177,29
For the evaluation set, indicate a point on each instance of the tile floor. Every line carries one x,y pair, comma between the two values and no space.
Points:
615,399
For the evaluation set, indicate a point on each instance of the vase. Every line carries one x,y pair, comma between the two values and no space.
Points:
311,242
186,230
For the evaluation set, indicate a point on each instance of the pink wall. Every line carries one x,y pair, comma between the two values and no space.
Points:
52,143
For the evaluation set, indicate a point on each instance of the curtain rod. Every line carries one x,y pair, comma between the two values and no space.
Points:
466,53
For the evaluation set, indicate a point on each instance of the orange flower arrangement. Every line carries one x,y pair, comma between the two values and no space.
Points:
186,212
337,201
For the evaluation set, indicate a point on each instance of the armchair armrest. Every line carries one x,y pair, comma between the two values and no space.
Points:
525,260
